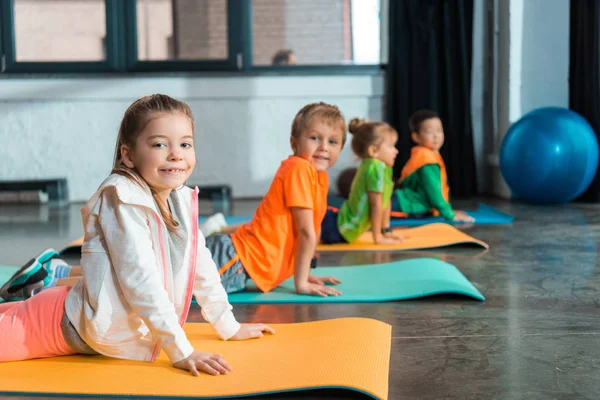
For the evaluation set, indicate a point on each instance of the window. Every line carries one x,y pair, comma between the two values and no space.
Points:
315,32
366,31
184,35
182,30
60,30
59,35
188,35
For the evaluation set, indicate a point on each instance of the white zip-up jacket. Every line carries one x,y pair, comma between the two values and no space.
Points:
129,304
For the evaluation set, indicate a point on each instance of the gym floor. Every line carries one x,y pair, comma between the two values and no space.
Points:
537,336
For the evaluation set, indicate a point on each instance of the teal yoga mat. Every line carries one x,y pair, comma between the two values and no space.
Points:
5,273
398,280
484,215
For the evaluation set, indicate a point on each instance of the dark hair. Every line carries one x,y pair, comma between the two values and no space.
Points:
282,57
136,118
327,113
415,121
367,133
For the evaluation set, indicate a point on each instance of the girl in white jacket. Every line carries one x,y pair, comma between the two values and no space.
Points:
143,259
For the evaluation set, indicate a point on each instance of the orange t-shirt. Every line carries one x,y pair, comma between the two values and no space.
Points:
266,245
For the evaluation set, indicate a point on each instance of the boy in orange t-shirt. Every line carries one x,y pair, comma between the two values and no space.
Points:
282,237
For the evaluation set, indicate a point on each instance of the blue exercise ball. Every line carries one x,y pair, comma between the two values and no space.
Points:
549,156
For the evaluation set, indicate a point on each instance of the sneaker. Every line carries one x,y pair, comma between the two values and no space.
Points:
28,277
57,268
212,224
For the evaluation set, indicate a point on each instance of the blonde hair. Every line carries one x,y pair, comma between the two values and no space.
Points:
326,113
136,118
367,133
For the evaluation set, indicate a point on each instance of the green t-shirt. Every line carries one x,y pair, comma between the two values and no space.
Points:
354,217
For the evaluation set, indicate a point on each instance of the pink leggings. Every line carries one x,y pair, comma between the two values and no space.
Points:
31,328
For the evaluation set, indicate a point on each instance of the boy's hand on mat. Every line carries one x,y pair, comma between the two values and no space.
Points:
252,331
209,363
315,289
322,280
461,216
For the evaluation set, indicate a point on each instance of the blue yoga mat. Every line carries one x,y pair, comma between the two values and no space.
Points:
399,280
484,215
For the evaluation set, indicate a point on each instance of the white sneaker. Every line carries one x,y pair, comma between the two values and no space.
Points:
212,224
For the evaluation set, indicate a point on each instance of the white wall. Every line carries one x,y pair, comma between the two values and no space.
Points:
545,54
67,127
477,89
508,101
532,67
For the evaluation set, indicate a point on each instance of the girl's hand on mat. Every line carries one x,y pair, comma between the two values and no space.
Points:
209,363
397,237
322,280
461,216
252,331
380,239
314,289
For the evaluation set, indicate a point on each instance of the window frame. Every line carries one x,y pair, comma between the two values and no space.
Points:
113,50
234,43
122,46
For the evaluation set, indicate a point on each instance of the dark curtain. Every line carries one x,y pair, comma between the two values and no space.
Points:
429,66
584,79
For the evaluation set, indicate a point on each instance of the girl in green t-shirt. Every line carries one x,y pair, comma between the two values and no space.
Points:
368,205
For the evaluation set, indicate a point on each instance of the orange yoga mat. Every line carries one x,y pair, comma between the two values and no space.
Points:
347,353
74,246
422,237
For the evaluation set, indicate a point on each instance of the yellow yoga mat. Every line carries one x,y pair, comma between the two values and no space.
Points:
347,353
422,237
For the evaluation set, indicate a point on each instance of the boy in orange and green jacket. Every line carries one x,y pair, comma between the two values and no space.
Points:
423,180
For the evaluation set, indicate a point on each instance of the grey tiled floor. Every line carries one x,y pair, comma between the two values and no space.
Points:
537,336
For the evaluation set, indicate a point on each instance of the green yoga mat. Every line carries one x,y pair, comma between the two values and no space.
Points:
399,280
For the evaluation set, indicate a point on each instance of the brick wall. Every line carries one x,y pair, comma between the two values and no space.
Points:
198,31
201,29
313,29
